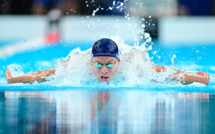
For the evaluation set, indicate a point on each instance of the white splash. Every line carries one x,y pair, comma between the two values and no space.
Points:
135,69
173,57
16,70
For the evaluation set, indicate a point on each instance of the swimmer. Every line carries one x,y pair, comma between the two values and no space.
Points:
105,61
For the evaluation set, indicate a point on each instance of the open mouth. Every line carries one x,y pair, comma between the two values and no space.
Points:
104,78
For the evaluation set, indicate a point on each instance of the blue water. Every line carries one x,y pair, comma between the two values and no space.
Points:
107,112
192,58
47,109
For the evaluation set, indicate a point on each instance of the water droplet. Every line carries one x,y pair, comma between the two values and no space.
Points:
110,8
114,3
94,12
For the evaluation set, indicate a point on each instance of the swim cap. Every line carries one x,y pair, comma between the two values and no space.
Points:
105,47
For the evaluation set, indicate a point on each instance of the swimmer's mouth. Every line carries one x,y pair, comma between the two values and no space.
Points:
104,78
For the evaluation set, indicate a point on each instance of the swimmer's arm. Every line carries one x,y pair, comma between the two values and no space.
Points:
29,77
187,78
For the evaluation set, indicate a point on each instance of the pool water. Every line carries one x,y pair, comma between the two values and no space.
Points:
48,109
107,111
190,59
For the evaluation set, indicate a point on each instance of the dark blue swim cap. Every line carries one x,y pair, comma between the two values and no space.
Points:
105,47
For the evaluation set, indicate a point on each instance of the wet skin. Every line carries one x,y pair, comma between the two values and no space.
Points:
104,74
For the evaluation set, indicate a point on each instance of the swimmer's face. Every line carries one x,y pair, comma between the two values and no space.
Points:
105,73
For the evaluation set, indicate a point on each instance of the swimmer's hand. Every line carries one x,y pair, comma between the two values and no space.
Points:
30,77
201,77
187,78
8,76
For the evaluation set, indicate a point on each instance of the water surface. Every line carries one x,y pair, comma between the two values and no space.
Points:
107,111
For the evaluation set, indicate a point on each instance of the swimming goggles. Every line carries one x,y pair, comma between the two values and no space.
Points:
108,65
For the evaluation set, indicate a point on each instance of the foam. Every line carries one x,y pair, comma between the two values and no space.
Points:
135,69
16,70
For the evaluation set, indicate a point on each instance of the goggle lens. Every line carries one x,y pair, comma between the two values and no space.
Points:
98,65
109,65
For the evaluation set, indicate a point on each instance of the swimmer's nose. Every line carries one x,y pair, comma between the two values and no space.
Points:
104,70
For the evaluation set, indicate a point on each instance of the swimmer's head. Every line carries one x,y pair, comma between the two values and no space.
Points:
105,59
105,47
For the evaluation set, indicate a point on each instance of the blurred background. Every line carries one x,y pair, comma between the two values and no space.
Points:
49,29
34,34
